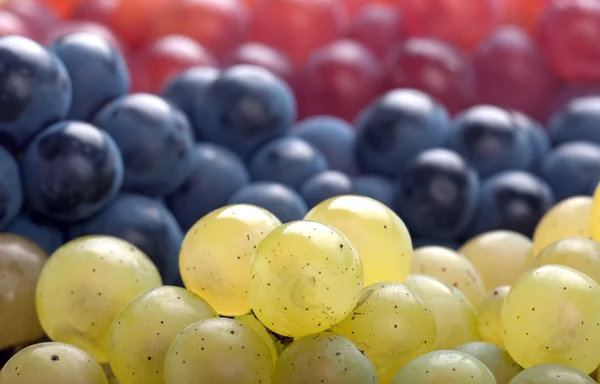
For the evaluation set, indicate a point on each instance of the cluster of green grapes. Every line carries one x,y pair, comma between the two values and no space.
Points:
340,297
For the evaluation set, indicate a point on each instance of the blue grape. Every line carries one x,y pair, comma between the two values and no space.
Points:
35,88
334,137
376,187
490,139
188,86
144,222
285,203
244,108
539,140
572,169
420,242
155,139
217,173
511,200
578,120
38,229
324,185
71,170
396,127
287,160
11,191
437,194
97,70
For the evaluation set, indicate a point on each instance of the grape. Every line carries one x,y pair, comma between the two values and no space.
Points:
220,351
85,284
325,185
62,8
273,344
11,24
182,89
569,218
215,255
52,363
38,229
522,13
495,358
488,316
577,117
595,215
38,17
306,277
69,27
578,253
551,316
454,314
20,264
448,367
391,325
131,19
142,333
99,11
267,57
552,374
11,189
500,257
373,186
452,269
323,358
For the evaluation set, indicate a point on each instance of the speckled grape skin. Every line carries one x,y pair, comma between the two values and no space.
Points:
579,253
495,358
142,333
595,215
552,374
324,358
85,284
391,325
488,316
305,277
220,351
552,315
273,344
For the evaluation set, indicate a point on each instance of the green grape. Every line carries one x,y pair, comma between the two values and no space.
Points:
305,277
495,358
85,284
52,363
391,325
453,312
215,255
552,315
221,350
323,358
251,321
569,218
552,374
20,264
488,316
143,331
578,253
500,257
452,269
379,235
447,367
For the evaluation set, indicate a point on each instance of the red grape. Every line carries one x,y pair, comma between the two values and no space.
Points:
570,92
100,11
377,27
156,64
569,34
62,8
339,79
298,27
73,26
523,13
353,7
263,56
11,24
434,67
511,72
132,19
37,17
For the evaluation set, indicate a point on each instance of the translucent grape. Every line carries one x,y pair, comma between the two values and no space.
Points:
323,358
85,284
273,344
379,235
552,374
451,268
391,325
569,218
495,358
52,363
20,264
448,367
215,255
500,257
145,328
552,315
596,214
578,253
220,351
488,316
453,312
306,277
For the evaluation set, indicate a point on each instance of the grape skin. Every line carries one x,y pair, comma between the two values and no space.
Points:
142,333
85,284
495,358
251,321
488,316
305,277
52,363
552,374
216,251
221,351
323,358
578,253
